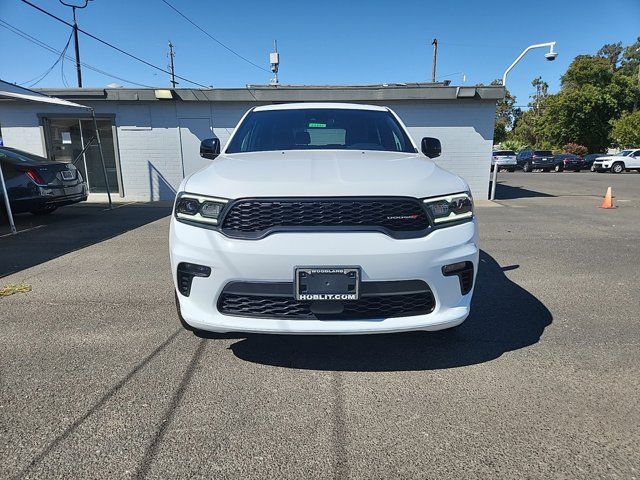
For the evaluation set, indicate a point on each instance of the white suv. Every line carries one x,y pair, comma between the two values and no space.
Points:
322,218
625,160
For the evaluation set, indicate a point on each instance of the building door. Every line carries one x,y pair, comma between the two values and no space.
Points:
192,132
67,137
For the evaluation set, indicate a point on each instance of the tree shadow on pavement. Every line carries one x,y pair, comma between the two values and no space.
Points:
504,317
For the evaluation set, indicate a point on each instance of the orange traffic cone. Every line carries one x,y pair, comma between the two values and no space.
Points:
608,200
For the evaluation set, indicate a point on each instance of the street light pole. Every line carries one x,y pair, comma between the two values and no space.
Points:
550,56
75,37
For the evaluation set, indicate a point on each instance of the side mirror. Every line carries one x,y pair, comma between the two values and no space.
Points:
210,148
431,147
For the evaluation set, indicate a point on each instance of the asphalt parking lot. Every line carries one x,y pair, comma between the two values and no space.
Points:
99,381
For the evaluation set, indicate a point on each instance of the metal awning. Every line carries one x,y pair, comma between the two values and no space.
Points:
10,91
31,96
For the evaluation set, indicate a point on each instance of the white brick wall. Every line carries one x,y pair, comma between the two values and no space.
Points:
151,155
465,129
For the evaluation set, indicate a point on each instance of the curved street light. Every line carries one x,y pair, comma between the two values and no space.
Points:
551,56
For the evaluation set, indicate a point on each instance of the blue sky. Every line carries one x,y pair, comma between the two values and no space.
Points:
320,42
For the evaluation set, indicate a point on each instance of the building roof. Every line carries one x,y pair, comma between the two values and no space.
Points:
286,93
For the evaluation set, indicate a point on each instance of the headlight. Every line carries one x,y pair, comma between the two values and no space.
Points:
450,208
199,208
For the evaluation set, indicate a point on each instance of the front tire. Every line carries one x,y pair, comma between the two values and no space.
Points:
526,168
557,168
617,167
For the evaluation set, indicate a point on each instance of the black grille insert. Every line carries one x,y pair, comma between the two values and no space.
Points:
255,218
264,301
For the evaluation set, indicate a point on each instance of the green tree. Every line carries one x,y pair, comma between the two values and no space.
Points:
578,115
595,91
612,52
505,115
527,125
626,130
587,70
513,144
542,92
630,63
527,129
626,92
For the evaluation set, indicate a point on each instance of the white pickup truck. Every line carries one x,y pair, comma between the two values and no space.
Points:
323,218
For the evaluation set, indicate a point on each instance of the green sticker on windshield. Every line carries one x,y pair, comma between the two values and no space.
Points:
317,125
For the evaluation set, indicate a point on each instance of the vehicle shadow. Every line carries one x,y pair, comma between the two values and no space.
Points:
504,317
510,192
43,238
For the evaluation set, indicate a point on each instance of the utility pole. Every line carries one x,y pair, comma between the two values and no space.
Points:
171,67
274,61
75,37
435,59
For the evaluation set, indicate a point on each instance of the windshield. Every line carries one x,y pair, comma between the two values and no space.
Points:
320,129
503,153
625,153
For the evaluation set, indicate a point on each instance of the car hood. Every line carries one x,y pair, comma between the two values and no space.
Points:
610,157
323,173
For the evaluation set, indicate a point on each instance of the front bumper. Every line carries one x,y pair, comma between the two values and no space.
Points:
273,259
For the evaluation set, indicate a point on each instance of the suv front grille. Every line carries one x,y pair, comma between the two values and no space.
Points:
271,304
255,218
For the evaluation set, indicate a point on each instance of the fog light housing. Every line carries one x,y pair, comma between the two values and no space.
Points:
186,272
464,272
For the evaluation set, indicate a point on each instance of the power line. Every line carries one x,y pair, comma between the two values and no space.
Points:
110,45
35,41
43,76
212,37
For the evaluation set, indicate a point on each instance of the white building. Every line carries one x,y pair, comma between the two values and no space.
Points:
151,138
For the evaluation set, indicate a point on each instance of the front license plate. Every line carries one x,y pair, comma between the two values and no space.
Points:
327,283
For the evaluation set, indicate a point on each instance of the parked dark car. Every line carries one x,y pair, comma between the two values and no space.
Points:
568,161
529,160
590,158
38,185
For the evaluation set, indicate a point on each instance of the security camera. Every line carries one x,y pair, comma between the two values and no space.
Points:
551,56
